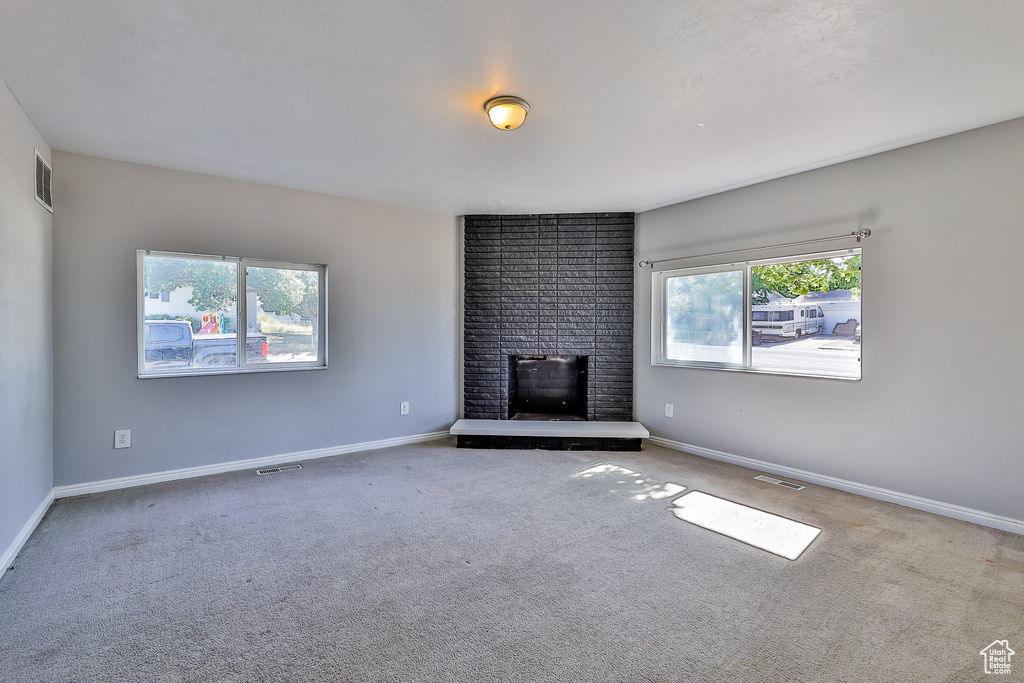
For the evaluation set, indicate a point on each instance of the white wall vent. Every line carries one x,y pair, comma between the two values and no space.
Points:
44,173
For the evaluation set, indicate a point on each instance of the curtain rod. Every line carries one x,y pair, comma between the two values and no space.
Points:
860,234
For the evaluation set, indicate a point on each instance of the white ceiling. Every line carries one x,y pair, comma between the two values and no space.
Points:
382,99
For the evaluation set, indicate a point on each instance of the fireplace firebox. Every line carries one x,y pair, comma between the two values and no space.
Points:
547,387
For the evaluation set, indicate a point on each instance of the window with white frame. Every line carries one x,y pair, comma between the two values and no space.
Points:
192,321
798,315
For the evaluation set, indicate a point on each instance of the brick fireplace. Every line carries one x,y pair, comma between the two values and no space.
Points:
540,290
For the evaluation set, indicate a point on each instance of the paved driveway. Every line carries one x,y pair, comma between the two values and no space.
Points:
837,355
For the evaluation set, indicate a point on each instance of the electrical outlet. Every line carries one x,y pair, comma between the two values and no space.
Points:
669,408
405,408
123,438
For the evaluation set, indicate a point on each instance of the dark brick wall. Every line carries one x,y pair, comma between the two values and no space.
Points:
549,284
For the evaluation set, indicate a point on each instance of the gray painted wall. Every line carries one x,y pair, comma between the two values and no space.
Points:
938,412
26,344
391,322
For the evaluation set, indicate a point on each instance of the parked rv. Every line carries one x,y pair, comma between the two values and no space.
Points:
786,321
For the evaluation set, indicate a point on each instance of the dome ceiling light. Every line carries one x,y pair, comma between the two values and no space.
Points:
507,112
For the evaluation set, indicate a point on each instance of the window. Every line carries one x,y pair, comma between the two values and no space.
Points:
704,317
192,320
793,316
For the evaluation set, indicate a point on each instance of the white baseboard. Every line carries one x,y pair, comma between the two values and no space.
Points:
252,463
907,500
19,541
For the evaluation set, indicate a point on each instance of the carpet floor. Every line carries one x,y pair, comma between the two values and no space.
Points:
431,563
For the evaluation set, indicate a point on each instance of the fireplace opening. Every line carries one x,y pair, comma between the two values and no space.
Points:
547,387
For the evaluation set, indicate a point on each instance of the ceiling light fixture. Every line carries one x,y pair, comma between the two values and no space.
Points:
507,112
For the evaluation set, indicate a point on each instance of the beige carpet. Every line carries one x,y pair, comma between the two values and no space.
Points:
428,563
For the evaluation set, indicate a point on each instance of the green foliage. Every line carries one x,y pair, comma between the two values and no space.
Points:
214,286
285,291
800,277
214,283
269,324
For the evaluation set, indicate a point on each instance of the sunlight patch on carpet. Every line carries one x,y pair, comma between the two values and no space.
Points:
641,488
763,530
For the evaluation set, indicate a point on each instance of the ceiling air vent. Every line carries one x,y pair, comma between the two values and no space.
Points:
43,175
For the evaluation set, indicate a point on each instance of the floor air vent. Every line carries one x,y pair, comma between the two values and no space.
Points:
44,173
779,482
282,468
